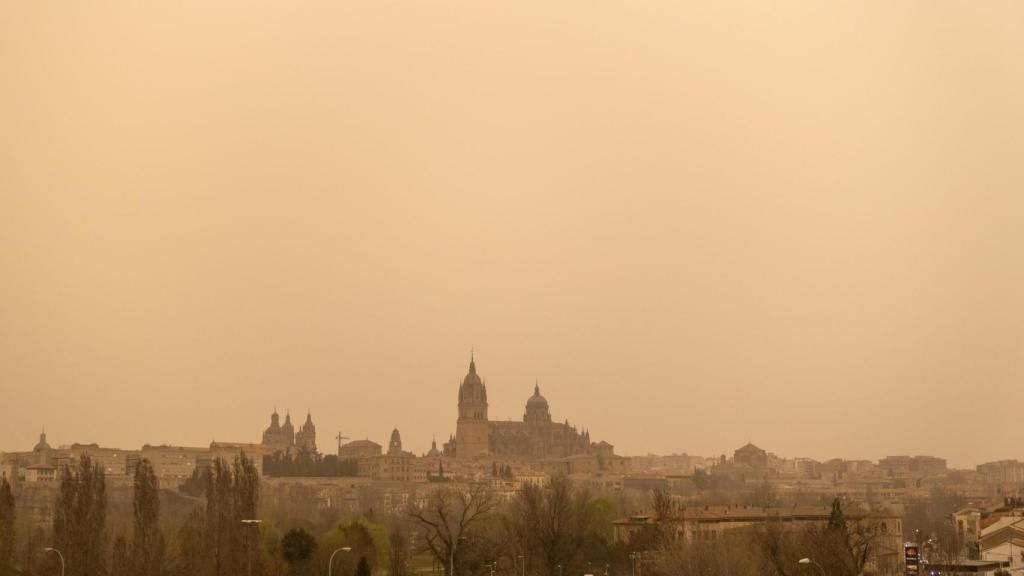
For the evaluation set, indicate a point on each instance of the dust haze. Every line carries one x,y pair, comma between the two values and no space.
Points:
693,225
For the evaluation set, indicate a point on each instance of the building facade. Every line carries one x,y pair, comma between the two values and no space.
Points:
283,437
536,437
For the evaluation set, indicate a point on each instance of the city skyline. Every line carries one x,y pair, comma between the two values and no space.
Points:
325,439
695,224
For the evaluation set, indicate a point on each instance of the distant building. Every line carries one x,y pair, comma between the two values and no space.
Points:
231,451
433,452
397,464
283,438
305,438
359,449
277,437
172,465
536,437
921,465
1002,472
750,455
714,523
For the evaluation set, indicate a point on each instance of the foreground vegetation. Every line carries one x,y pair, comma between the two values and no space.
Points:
554,530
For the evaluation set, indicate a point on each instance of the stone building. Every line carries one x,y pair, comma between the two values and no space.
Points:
397,464
715,523
305,438
358,450
536,437
750,455
283,438
278,437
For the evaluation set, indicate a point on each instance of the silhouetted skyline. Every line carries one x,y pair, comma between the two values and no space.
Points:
694,225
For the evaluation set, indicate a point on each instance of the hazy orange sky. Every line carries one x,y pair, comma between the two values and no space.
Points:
798,223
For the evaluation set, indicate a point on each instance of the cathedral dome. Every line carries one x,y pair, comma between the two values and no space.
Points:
537,400
472,377
472,389
537,408
42,445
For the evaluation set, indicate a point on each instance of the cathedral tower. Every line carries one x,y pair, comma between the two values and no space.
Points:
305,438
471,431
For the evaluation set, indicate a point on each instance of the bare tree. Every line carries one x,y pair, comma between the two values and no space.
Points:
554,524
446,517
841,547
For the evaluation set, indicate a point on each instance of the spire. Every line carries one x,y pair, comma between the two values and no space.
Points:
536,388
472,362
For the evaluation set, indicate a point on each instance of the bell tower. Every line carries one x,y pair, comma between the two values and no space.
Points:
472,429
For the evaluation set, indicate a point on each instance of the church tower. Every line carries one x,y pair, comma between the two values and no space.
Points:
472,429
305,438
288,431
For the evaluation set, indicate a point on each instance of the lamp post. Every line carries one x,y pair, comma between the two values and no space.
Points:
59,555
523,558
256,524
330,562
809,561
559,570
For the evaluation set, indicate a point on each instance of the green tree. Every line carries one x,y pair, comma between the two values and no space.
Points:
192,546
213,541
836,520
148,546
364,536
363,568
232,495
120,561
297,547
80,516
7,528
31,551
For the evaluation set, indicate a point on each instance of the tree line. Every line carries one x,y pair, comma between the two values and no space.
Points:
309,465
558,529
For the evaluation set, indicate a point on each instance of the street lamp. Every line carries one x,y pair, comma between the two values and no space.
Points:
523,558
809,561
331,561
255,524
61,556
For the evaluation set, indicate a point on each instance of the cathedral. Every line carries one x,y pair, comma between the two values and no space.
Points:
537,437
284,438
